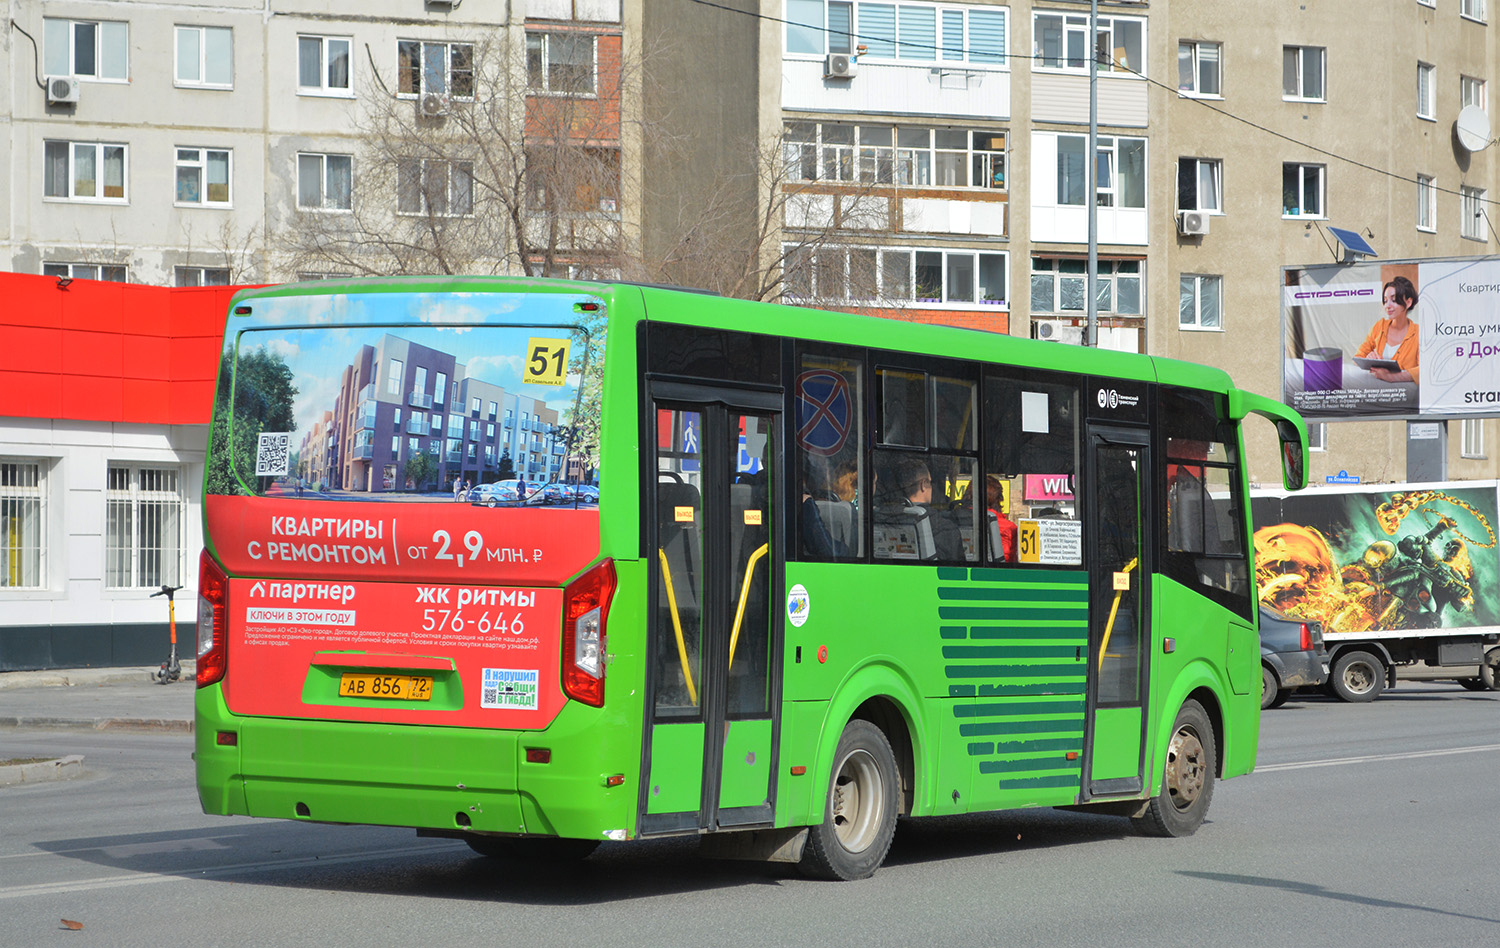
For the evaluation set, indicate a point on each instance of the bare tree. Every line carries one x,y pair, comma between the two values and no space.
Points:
473,178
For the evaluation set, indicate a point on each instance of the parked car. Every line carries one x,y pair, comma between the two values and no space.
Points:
1292,656
493,495
560,493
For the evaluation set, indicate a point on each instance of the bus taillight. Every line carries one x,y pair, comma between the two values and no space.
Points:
213,607
585,609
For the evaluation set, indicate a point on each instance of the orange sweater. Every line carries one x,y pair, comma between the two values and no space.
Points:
1407,353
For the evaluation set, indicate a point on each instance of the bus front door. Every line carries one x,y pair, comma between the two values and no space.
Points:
714,538
1118,466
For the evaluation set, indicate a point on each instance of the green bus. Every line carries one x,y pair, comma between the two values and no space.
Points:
538,564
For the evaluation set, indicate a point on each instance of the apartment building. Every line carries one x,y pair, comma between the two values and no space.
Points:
936,165
182,144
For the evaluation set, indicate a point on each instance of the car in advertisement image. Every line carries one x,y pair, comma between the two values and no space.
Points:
1292,656
494,495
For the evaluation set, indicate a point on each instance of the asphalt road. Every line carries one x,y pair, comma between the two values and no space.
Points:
1363,825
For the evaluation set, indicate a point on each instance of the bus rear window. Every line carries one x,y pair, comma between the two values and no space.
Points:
418,398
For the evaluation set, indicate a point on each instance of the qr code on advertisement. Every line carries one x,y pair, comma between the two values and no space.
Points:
273,455
489,698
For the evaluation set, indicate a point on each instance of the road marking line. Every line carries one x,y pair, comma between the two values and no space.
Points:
1339,761
147,878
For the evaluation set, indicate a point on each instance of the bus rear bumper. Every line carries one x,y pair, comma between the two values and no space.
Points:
438,778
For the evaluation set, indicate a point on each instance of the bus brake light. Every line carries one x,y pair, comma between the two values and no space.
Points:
213,608
585,609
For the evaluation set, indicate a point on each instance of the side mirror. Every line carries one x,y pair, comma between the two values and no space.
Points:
1293,456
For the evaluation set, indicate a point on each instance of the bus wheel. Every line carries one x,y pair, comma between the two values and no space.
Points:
533,850
1357,677
1188,784
859,819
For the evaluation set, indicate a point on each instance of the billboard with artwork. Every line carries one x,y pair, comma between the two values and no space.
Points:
1392,339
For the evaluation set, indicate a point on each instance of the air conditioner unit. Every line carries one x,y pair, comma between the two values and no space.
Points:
1192,223
432,105
840,66
1057,330
62,90
451,4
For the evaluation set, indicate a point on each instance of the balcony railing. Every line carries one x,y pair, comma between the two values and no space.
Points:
419,400
417,426
363,452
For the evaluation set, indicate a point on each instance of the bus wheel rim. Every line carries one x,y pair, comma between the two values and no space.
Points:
1185,768
857,802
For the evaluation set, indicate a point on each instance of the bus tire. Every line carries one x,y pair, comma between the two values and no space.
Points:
1357,677
859,817
1187,785
533,850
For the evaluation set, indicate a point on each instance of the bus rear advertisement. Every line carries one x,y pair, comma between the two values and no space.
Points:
537,564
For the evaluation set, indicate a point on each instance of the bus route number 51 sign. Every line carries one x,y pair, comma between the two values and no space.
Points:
546,361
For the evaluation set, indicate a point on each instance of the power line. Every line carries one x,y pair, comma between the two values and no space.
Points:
1155,82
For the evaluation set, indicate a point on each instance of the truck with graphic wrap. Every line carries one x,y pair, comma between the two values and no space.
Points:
1398,574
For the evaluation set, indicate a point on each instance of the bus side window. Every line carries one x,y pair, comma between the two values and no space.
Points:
831,501
1031,462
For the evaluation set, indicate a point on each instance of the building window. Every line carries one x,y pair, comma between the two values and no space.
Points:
1121,170
1471,9
1198,69
1060,286
22,525
205,56
1301,190
323,65
393,370
446,68
200,276
968,277
1200,184
908,32
203,176
325,182
1426,203
1317,436
885,154
1302,73
1472,91
1201,303
1470,212
1062,43
143,527
560,62
110,273
1472,439
1426,91
84,171
435,187
88,49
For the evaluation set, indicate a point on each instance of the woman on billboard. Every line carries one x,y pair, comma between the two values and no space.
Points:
1394,339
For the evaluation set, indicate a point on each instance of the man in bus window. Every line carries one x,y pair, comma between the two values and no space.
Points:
915,481
994,495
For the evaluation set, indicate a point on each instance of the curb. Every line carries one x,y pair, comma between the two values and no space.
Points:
63,768
79,677
167,725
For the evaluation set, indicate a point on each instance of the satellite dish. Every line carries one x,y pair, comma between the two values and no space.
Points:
1472,128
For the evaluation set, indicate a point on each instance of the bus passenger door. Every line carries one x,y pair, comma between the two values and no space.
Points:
1117,478
712,697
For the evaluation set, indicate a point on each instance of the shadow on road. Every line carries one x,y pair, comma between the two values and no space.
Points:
1318,891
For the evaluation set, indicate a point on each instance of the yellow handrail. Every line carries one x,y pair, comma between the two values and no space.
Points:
1115,607
687,671
739,615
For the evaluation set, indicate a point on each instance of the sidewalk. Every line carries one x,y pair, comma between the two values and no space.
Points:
98,698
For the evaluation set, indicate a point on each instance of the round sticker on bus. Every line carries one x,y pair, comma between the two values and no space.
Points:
797,605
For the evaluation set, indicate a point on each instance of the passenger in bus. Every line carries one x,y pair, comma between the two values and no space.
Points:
818,542
915,482
993,495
